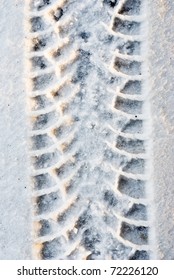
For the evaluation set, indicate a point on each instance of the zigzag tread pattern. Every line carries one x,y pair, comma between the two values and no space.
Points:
88,146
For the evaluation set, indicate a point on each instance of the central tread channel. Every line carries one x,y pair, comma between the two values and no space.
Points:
88,142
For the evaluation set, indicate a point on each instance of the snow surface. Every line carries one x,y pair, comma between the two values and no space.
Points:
161,83
15,215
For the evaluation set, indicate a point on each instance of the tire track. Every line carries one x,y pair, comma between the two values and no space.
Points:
87,144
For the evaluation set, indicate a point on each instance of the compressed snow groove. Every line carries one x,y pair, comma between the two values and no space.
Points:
87,137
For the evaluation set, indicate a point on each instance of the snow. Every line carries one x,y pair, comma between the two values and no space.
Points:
15,197
93,113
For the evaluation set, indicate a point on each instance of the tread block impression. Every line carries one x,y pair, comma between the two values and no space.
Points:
127,66
140,255
133,127
126,27
131,7
40,4
136,235
129,47
131,187
53,249
43,181
38,24
111,3
135,166
41,141
137,212
48,202
134,146
128,105
132,87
